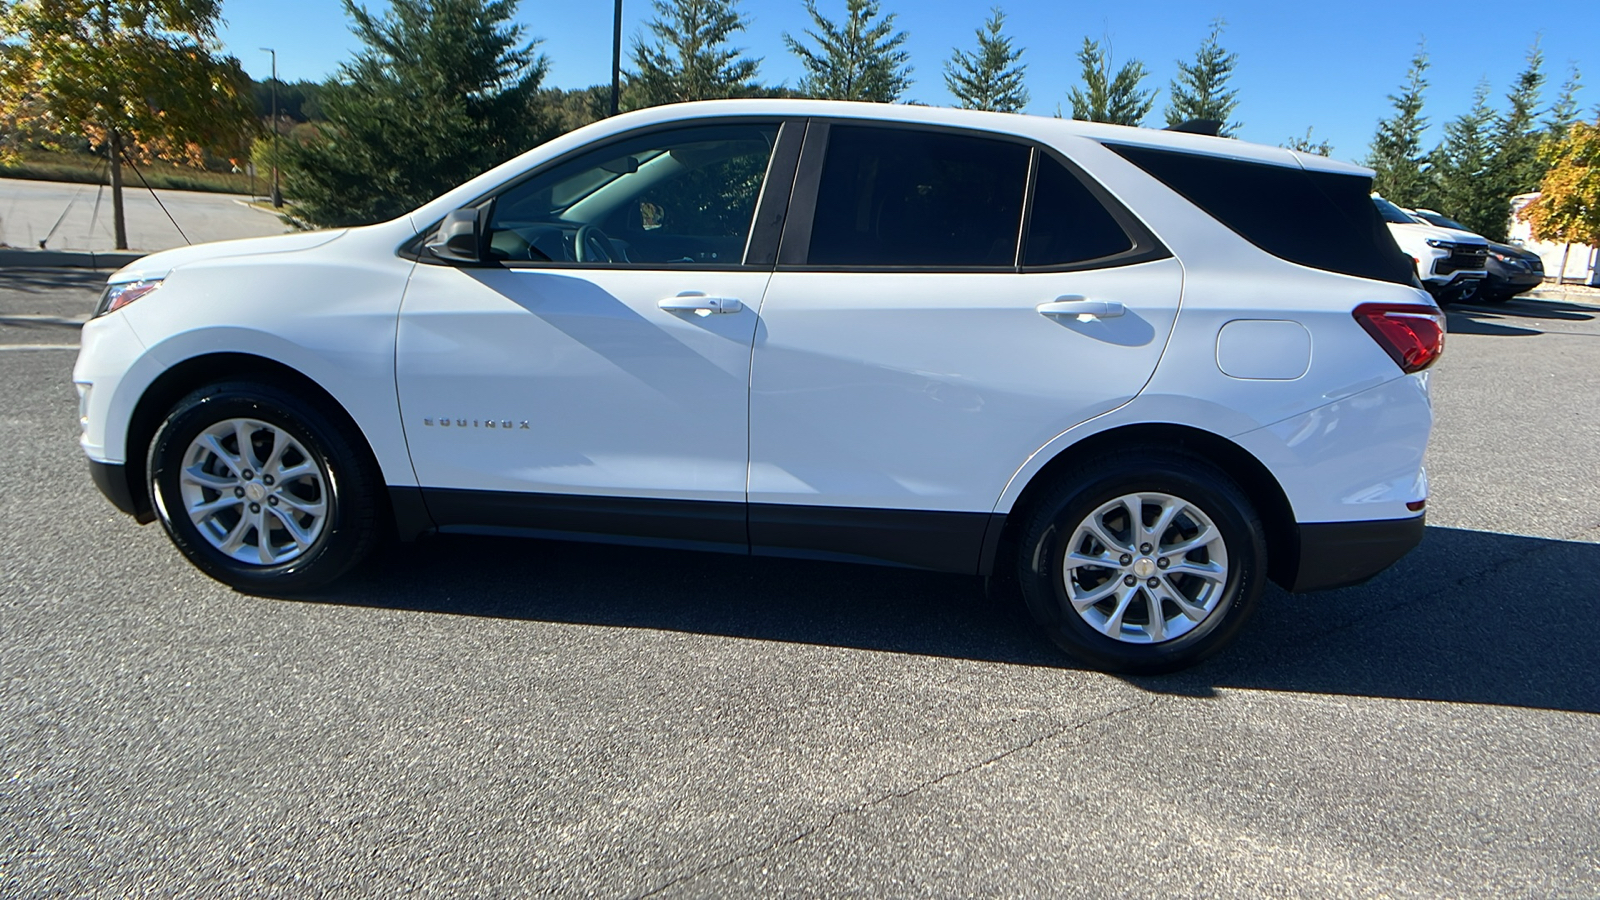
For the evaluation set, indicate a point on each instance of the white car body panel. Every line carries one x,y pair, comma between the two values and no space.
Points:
325,307
903,390
554,348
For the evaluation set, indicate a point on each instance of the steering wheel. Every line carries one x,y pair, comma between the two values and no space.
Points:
590,244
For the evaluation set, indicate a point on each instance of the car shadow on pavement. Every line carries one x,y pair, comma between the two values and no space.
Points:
1471,617
1495,319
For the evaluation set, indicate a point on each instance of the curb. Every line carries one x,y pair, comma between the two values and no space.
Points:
46,259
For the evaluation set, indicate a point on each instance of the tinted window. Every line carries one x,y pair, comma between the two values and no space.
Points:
1324,220
899,197
1392,214
681,196
1068,224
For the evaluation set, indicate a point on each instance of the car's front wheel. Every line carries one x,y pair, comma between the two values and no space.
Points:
261,489
1145,562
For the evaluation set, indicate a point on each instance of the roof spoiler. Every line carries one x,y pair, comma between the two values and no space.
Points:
1211,127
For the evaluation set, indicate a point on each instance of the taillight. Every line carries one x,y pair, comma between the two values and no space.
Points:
1411,333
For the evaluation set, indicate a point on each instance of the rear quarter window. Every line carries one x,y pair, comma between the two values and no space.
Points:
1324,220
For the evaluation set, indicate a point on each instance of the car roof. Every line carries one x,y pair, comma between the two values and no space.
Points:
1046,129
1008,123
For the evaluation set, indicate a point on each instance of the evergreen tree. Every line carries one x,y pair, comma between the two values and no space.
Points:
1396,153
438,93
1462,164
1116,99
1564,112
691,59
991,78
861,60
1201,89
1515,166
1306,145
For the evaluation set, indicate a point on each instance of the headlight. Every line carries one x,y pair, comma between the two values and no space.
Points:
117,296
1442,245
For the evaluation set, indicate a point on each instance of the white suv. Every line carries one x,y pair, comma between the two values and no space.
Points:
1451,263
1085,360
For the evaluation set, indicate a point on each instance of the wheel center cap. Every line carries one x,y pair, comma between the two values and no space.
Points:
255,492
1144,567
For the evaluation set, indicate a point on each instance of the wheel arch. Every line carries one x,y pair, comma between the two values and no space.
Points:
1252,476
210,368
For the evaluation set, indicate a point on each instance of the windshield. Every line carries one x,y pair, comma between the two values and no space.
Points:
1392,214
1440,221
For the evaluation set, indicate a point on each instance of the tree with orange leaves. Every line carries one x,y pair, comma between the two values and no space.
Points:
1568,208
138,78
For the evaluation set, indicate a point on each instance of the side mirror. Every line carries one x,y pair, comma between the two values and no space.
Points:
460,236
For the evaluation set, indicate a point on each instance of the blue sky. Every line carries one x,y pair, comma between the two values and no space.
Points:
1326,65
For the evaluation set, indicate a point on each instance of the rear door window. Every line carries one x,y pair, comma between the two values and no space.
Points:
900,197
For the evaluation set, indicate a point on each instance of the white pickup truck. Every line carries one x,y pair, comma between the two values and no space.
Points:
1450,263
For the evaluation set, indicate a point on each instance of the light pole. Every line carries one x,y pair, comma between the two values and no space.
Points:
277,196
616,56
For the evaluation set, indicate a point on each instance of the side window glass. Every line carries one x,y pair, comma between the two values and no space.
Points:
901,197
1068,224
685,196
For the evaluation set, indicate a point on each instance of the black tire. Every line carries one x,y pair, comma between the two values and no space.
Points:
345,482
1229,596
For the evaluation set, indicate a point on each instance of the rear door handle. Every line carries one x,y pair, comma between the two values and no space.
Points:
1074,306
701,305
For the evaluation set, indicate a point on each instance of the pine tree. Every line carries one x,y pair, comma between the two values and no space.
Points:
1306,145
1116,99
1396,153
1564,112
1515,166
438,93
991,78
1462,164
861,60
1201,89
691,59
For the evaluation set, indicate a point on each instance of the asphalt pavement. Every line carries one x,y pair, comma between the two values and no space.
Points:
78,216
485,717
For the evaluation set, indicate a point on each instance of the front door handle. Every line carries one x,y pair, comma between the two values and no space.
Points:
700,304
1072,305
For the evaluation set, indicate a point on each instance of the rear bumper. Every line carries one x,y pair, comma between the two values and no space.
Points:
112,480
1340,554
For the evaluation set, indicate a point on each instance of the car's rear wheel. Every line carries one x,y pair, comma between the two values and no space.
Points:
262,490
1144,562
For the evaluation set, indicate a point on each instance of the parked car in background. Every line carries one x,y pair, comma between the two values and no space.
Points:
1450,262
860,332
1512,270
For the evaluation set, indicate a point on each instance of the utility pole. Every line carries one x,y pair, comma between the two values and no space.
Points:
277,195
616,57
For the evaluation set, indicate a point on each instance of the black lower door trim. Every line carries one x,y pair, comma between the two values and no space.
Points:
922,539
691,524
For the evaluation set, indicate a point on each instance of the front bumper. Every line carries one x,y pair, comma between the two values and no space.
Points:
1341,554
1509,280
112,480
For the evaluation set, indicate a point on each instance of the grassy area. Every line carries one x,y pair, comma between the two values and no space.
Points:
85,169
